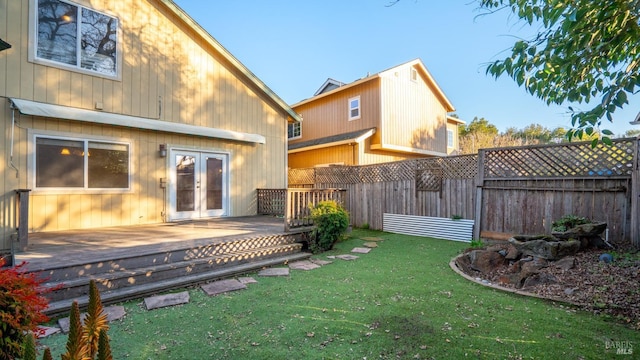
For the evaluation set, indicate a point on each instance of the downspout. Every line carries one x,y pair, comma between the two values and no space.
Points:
13,125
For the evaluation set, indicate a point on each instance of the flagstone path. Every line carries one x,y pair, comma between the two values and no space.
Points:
222,286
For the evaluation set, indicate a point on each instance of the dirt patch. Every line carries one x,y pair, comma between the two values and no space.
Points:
593,285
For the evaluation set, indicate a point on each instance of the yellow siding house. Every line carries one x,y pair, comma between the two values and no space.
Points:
128,112
397,114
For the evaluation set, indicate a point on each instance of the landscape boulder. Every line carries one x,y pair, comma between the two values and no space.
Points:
546,247
485,261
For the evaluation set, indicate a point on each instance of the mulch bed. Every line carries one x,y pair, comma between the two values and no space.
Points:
592,285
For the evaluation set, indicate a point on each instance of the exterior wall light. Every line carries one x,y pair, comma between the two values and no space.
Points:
162,150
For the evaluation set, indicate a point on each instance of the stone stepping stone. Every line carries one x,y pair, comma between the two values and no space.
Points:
222,286
372,238
113,313
371,244
274,272
359,250
44,331
303,265
347,257
248,280
321,262
160,301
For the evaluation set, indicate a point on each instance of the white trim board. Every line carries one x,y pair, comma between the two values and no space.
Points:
435,227
28,107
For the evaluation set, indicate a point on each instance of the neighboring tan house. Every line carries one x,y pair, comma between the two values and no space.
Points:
128,112
400,113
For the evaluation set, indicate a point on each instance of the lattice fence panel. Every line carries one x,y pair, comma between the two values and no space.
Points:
392,171
428,175
566,160
302,176
336,175
459,167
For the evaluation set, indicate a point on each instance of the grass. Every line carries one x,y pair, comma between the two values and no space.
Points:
400,301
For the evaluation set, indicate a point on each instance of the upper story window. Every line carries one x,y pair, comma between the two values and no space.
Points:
354,108
80,164
72,36
450,138
294,130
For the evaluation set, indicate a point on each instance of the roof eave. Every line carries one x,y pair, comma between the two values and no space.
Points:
338,89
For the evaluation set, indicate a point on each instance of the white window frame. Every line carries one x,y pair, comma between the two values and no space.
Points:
33,44
34,134
297,124
450,139
358,108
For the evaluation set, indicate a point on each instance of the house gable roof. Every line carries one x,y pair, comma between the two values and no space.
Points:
175,9
329,85
417,64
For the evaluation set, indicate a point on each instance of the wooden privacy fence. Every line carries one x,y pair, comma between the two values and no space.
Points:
295,204
518,190
435,187
522,190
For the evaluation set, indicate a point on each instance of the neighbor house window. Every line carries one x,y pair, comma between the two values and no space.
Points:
294,130
354,108
80,164
450,139
73,36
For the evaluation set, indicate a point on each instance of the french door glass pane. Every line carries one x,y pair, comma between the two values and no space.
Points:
214,183
185,182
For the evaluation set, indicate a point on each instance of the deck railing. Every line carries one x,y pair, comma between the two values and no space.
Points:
295,204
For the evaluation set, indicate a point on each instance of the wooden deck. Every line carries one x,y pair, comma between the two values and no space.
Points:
62,248
132,261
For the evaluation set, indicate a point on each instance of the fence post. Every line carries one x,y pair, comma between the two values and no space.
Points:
22,198
635,197
479,185
287,209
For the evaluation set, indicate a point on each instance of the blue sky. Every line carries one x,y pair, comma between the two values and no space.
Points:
293,46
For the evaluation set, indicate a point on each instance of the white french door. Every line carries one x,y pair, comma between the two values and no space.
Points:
198,185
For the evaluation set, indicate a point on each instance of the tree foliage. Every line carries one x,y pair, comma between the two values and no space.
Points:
481,134
584,50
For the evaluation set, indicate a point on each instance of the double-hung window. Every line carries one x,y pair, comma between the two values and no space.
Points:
294,130
450,138
354,108
72,36
81,164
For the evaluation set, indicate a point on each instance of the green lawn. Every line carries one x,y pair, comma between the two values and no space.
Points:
400,301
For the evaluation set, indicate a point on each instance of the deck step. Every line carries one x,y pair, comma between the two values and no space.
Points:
124,274
154,255
133,292
131,277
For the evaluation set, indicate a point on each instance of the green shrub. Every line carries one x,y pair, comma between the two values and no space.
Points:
567,222
21,308
477,243
331,220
